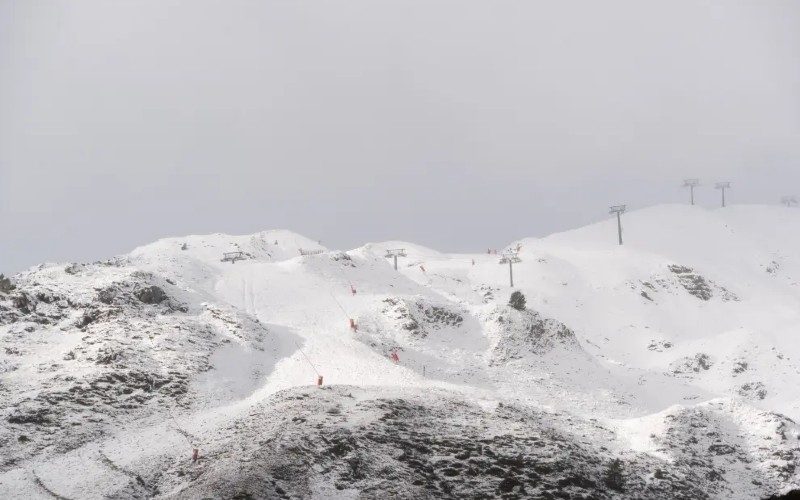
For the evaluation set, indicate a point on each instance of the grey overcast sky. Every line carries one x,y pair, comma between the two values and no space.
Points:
458,124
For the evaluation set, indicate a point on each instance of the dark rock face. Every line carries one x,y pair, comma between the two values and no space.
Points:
686,278
409,447
740,366
697,285
107,295
343,259
691,364
437,315
132,353
791,495
752,390
420,318
486,292
519,333
693,283
659,345
151,295
5,284
34,306
21,302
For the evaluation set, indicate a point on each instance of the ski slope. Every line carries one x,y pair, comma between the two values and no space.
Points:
693,323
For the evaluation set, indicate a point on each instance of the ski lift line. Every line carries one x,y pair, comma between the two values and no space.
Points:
175,424
182,433
342,276
338,304
178,428
306,358
353,326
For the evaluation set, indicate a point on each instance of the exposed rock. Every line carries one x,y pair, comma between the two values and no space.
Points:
419,317
107,295
128,358
518,333
659,345
752,390
739,366
405,445
73,268
486,291
22,302
773,267
693,283
342,258
151,294
691,364
5,284
687,279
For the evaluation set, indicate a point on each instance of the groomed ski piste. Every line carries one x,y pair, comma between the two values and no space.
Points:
663,368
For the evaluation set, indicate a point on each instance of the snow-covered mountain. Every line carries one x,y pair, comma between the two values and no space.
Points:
664,368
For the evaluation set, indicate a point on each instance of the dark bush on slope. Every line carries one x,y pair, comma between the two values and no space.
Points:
517,301
613,477
5,284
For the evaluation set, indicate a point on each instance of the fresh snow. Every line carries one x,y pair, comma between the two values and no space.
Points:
679,347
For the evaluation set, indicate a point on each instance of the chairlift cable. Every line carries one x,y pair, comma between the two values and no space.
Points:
306,358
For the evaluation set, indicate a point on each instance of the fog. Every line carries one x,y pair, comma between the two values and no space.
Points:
455,124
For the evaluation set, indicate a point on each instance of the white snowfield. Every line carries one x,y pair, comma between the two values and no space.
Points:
693,323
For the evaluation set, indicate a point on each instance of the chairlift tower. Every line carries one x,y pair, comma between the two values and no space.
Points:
691,183
619,210
233,256
789,201
510,258
395,253
723,186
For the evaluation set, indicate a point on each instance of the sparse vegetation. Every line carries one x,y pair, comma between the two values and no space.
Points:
5,284
740,366
613,477
517,301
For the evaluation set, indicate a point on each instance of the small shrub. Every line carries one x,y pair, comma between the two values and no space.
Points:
613,477
5,284
517,301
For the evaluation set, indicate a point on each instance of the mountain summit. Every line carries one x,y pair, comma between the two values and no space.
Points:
662,368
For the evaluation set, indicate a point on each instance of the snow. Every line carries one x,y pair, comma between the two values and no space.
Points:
695,317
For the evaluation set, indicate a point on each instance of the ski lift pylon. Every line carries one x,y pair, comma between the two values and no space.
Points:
232,257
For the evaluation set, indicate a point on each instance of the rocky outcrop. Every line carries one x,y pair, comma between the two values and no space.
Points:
401,444
682,278
86,359
515,334
419,318
688,365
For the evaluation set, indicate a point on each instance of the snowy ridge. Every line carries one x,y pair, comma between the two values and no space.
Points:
664,368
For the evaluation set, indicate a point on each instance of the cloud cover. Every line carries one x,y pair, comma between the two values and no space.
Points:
457,124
